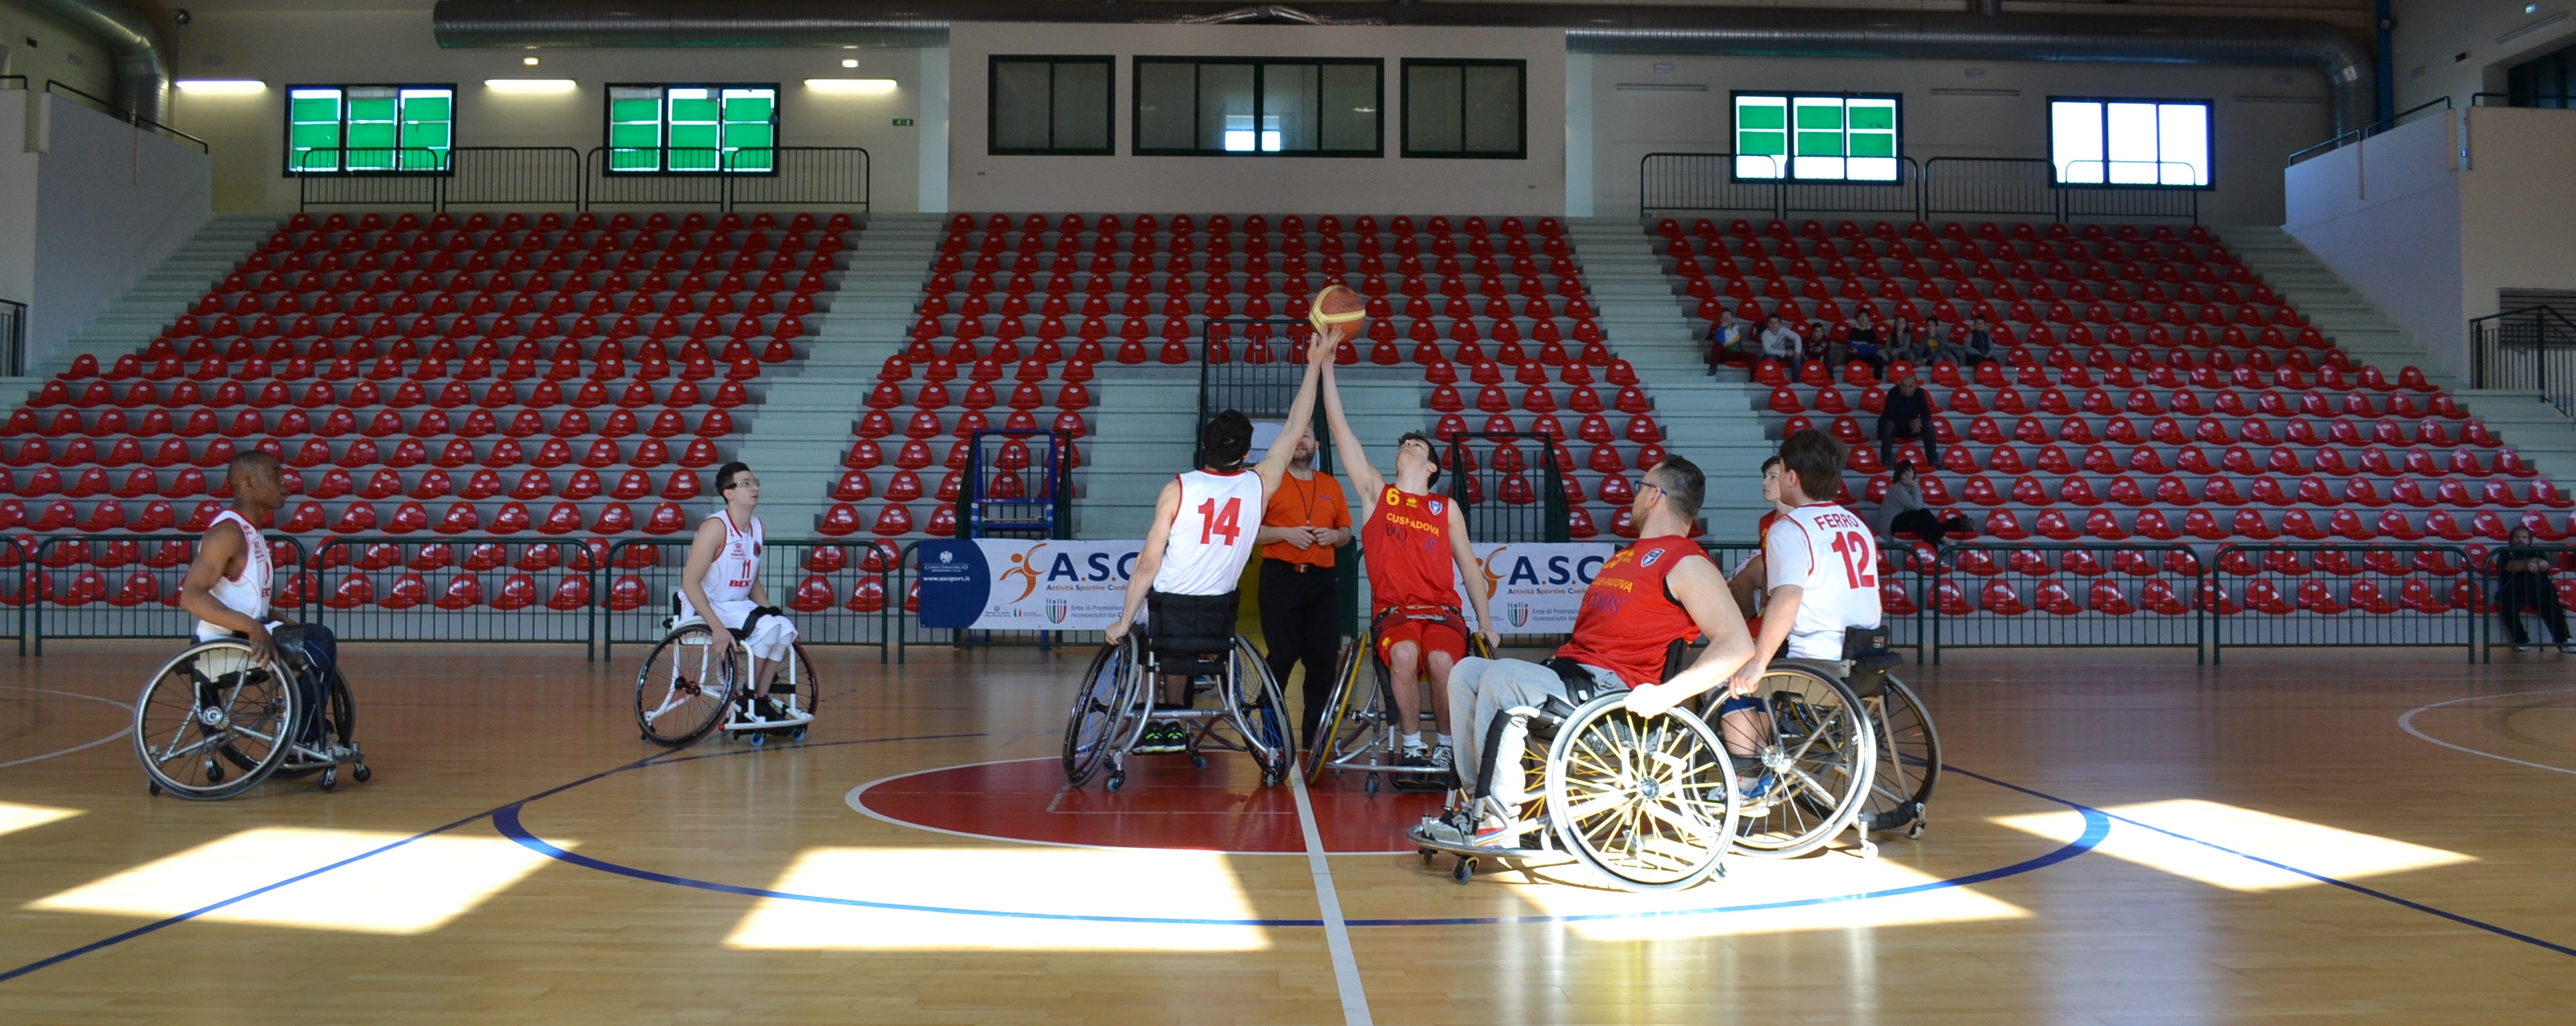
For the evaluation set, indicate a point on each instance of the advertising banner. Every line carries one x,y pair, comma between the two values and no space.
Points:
1532,587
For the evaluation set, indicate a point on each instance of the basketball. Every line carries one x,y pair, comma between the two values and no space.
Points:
1336,305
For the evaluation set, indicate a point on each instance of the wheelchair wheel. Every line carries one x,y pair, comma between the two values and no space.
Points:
1649,803
1101,703
681,692
212,723
1350,714
1909,760
1818,759
1264,712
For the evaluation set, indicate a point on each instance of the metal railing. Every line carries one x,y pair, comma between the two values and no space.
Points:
2530,350
807,176
1251,364
2365,132
823,585
2045,595
1510,487
2532,101
1992,186
13,338
121,114
119,586
2509,604
2310,595
409,588
1019,484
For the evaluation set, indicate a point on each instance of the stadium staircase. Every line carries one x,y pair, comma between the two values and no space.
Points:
165,293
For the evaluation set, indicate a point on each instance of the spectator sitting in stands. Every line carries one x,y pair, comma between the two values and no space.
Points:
1907,343
2522,579
1903,510
1779,342
1730,337
1979,346
1907,416
1862,343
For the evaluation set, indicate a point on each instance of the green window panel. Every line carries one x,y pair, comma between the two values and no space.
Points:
370,128
1818,116
1873,116
1765,115
1763,144
692,128
1873,144
1820,144
1817,138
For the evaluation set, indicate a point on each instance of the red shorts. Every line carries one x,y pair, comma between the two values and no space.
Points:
1430,629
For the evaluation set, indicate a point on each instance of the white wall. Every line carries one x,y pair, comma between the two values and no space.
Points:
2516,218
59,53
981,181
2385,214
283,47
1957,109
17,200
2449,47
111,204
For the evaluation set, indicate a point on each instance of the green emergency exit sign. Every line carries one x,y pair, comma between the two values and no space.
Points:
903,122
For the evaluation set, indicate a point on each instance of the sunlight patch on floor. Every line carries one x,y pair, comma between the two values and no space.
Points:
1047,881
2316,848
1833,874
414,888
15,817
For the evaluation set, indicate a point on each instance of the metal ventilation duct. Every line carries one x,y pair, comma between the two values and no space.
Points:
1589,28
142,59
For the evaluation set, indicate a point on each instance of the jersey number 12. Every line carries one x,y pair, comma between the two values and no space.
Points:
1854,547
1227,522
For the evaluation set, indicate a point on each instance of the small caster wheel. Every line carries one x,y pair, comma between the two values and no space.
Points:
1464,871
1269,779
1426,856
757,739
153,786
330,778
643,735
362,773
1914,831
1371,785
214,772
1117,780
1197,761
797,734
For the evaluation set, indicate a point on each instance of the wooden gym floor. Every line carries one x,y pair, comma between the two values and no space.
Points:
2342,836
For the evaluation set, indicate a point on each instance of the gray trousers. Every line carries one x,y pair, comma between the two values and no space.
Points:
1480,690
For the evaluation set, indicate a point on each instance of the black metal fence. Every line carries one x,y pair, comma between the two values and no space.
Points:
409,588
805,176
13,338
2365,132
561,176
116,585
140,123
1019,484
2530,350
1511,487
1941,186
2277,595
827,587
2067,596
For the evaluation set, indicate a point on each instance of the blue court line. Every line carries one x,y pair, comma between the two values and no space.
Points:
163,924
2284,867
2097,826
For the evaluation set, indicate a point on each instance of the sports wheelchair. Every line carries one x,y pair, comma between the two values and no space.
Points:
1114,702
214,722
682,692
1357,731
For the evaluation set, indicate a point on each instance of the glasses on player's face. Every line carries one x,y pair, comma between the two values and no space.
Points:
1637,506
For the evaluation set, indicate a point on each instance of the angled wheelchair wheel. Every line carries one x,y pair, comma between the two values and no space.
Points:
1100,707
1816,757
1909,760
682,691
1349,721
1263,711
212,723
1649,803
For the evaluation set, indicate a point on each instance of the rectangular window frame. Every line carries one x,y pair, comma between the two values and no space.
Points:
291,167
1405,78
1789,104
2209,139
1135,97
993,105
608,131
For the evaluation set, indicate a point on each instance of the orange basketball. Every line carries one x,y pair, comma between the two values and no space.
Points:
1337,305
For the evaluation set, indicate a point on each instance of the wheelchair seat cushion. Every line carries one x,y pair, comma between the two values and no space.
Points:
1190,625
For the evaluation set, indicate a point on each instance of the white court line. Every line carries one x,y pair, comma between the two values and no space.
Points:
120,732
1337,935
2408,723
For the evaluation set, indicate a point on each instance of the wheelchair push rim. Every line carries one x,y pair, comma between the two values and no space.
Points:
681,692
1349,725
1820,754
212,724
1647,802
1098,716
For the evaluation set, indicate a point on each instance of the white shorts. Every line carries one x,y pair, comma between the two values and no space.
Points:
769,640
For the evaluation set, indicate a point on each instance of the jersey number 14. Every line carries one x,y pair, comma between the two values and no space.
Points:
1214,521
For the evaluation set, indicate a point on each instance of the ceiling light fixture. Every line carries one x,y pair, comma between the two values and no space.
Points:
529,85
232,86
859,86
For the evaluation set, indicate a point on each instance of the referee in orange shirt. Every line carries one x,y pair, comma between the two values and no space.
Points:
1300,596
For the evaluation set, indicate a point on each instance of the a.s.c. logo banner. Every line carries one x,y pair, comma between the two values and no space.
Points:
1534,588
999,585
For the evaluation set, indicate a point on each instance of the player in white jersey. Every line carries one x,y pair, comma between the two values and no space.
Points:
1205,526
722,582
228,584
1822,566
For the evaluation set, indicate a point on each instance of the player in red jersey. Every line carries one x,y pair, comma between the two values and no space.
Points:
1414,543
1745,587
1658,591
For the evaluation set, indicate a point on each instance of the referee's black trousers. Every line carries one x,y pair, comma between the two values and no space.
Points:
1298,619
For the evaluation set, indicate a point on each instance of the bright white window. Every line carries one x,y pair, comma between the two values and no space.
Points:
2130,142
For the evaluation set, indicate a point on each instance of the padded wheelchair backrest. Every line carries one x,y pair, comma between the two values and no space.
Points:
1673,654
1866,649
